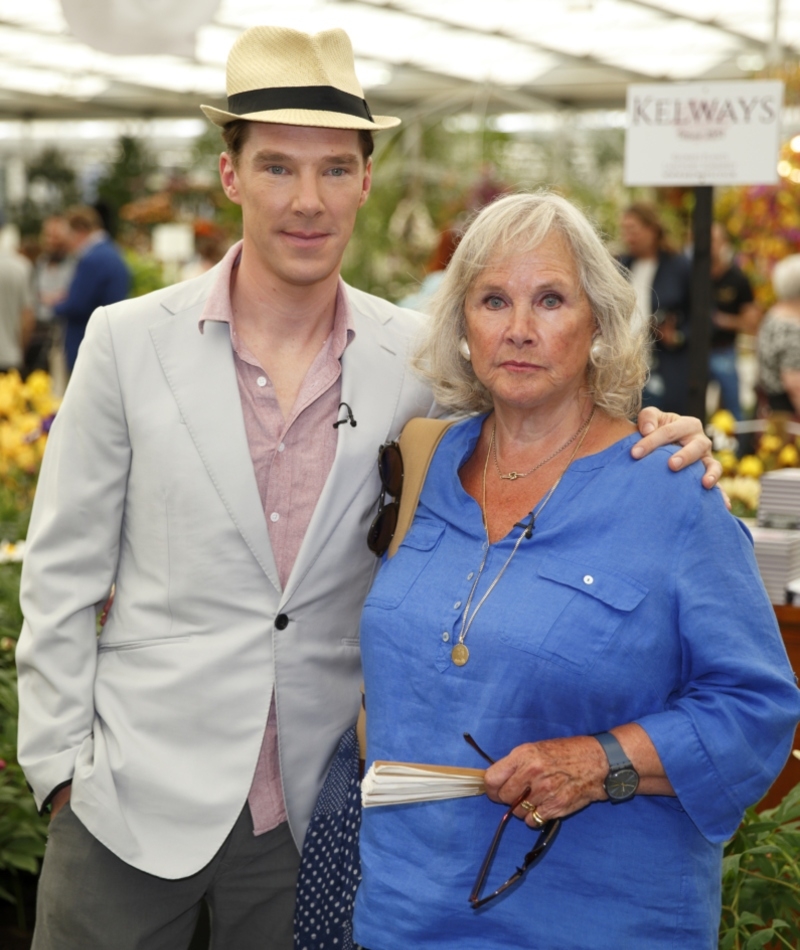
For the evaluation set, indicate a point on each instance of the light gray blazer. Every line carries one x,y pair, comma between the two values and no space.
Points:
148,482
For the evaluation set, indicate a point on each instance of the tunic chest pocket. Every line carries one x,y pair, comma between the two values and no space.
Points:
397,576
578,612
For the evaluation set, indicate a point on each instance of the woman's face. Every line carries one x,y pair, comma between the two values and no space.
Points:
640,240
530,326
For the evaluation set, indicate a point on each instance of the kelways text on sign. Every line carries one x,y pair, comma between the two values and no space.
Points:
712,133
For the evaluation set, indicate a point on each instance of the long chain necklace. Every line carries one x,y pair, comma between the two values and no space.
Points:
460,654
513,476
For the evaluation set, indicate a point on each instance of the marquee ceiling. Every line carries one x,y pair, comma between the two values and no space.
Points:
413,56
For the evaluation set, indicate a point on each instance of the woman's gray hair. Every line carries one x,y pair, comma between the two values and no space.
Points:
513,225
786,278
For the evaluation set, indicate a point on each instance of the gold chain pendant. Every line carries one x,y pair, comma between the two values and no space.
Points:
459,654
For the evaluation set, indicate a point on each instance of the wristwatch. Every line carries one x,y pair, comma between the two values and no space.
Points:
622,779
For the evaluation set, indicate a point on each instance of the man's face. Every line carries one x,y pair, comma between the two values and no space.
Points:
300,189
56,238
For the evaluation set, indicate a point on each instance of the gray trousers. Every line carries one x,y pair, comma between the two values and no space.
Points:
89,899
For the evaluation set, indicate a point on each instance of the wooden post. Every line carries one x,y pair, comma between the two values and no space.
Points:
701,301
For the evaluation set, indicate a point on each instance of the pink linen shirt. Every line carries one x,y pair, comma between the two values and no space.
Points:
291,459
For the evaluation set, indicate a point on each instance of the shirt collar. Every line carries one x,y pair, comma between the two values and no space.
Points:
95,238
218,305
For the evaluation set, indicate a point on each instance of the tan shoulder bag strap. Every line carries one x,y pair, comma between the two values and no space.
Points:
418,442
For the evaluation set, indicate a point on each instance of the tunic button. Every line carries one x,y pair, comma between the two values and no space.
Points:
445,636
281,447
470,575
281,622
588,579
274,516
262,381
456,605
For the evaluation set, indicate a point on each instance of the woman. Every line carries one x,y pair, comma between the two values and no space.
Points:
661,278
550,589
779,340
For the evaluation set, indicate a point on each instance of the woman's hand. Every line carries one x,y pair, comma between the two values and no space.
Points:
564,775
664,428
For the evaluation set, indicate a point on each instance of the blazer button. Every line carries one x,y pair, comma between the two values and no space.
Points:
281,622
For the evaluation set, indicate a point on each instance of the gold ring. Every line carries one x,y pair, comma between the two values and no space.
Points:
537,818
528,806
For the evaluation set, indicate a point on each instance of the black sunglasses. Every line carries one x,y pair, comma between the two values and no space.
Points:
390,469
547,834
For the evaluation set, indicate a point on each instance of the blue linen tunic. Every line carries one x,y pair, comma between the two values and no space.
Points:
637,598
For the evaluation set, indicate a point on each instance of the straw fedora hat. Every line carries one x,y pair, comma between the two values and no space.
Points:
279,75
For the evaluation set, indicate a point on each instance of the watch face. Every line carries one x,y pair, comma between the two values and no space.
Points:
622,784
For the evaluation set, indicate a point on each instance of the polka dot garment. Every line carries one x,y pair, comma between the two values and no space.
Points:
330,869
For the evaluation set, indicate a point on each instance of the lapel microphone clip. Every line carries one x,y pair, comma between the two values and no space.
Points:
349,417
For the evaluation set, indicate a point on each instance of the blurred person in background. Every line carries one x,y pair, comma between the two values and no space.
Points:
779,340
210,245
434,272
661,279
101,277
16,305
52,275
734,312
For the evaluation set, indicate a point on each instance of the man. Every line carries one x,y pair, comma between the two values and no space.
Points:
215,457
16,309
735,312
53,272
101,277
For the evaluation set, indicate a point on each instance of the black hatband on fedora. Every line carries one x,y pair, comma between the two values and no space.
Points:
318,98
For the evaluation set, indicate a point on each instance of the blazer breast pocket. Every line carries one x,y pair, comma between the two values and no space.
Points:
584,606
400,574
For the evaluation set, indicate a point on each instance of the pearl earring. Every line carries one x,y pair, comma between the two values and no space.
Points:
596,350
463,349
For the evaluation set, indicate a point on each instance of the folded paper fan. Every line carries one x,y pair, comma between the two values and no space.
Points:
398,783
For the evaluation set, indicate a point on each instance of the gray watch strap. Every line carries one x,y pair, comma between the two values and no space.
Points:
614,752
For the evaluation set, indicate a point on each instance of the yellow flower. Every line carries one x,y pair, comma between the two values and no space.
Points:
724,421
727,460
751,466
789,457
769,445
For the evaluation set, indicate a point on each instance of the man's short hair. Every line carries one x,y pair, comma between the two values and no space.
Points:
235,135
84,219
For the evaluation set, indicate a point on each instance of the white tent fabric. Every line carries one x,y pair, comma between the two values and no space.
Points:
141,27
413,56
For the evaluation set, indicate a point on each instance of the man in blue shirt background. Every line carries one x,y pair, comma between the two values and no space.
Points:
101,277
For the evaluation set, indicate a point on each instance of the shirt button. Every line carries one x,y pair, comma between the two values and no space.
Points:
281,447
281,621
456,605
588,579
262,381
470,575
274,516
445,636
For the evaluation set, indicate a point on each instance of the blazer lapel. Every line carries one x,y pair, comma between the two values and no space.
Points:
371,385
200,372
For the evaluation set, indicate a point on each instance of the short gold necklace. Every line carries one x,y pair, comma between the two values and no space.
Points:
513,476
460,654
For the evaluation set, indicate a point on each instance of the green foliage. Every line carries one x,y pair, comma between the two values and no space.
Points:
22,831
127,175
761,879
146,273
15,508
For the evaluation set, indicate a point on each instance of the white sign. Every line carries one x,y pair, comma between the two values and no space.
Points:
709,133
173,243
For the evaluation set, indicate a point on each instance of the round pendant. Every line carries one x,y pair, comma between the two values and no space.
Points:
459,654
